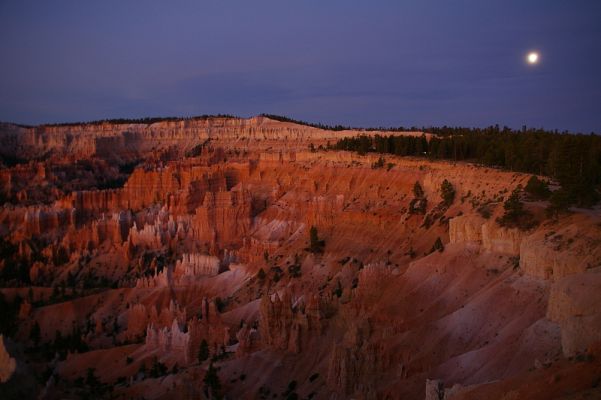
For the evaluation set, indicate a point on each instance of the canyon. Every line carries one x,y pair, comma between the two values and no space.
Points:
138,259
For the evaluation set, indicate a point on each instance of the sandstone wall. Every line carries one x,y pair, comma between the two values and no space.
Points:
130,141
570,248
196,265
574,304
465,229
288,325
224,218
491,236
501,240
170,341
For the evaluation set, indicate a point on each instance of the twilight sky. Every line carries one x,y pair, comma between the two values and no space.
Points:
361,63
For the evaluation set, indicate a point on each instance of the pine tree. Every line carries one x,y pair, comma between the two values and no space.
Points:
515,214
537,188
203,351
447,192
316,245
212,383
55,294
261,275
514,208
338,290
35,334
560,202
379,164
437,246
418,192
91,379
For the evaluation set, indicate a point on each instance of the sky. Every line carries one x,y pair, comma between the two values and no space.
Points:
360,63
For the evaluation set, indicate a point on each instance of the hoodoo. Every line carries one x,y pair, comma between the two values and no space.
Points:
264,252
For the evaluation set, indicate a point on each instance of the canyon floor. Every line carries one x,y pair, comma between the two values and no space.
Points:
243,259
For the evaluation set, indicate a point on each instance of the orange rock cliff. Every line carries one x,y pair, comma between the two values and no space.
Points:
136,258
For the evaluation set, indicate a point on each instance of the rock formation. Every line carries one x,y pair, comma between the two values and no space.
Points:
169,340
195,265
492,237
131,245
278,326
8,365
574,304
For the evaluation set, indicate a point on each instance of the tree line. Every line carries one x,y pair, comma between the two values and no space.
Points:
573,161
147,120
338,127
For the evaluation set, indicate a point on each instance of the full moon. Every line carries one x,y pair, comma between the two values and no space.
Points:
532,57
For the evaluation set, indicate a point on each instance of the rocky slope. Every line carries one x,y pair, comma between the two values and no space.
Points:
197,254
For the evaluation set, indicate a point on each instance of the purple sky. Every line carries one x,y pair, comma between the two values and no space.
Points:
362,63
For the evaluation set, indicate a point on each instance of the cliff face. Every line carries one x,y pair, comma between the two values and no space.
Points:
205,237
194,265
567,255
280,327
169,340
572,248
488,234
465,229
223,218
574,305
123,142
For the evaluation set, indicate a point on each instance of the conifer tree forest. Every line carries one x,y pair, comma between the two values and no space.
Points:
572,161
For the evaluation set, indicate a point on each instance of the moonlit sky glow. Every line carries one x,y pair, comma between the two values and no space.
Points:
533,57
360,63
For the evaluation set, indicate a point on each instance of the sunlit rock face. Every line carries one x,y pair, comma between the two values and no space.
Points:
148,252
571,248
574,305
